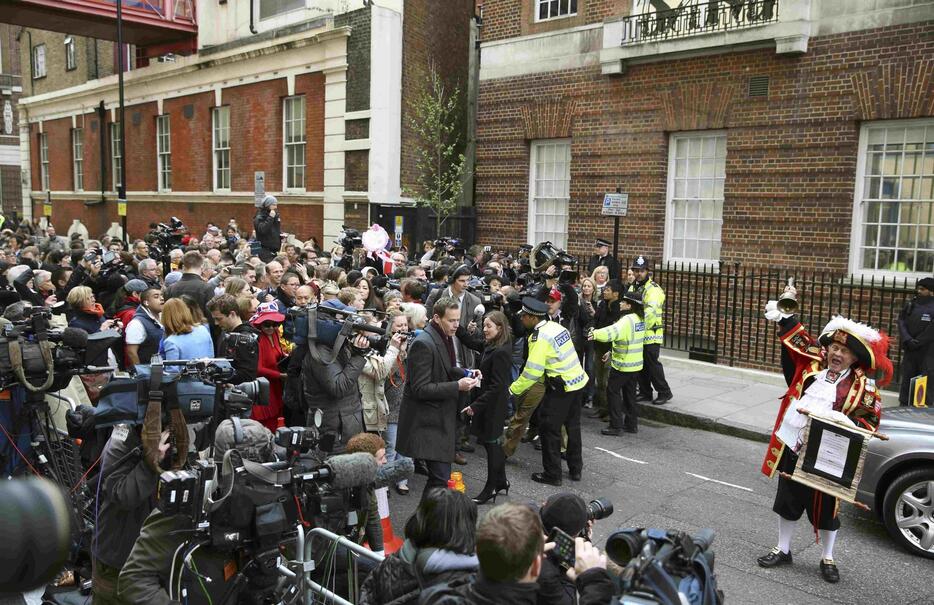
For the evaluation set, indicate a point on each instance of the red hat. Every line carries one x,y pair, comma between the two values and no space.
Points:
555,294
267,311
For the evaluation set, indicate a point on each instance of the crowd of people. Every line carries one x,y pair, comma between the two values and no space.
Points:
451,347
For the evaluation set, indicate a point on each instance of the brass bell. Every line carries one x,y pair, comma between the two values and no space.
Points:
788,301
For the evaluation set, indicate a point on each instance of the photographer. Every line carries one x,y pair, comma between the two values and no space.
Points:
238,340
268,228
373,379
330,380
567,512
152,562
126,496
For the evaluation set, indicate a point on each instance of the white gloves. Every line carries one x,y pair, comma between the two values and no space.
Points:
772,313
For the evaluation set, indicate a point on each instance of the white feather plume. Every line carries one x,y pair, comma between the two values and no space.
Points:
863,331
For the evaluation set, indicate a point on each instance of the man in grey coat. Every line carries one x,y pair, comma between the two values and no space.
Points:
430,402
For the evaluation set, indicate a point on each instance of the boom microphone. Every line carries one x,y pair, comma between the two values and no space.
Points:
75,338
351,470
394,472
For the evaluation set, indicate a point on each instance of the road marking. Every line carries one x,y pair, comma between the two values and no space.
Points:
746,489
615,455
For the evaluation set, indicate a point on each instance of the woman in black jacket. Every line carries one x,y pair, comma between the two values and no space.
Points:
489,408
268,228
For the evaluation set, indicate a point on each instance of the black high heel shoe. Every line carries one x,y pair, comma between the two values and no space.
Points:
484,497
503,488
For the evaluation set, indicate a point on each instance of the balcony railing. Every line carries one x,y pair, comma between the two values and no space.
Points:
697,17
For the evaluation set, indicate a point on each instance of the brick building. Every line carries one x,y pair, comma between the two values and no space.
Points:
312,94
11,88
793,133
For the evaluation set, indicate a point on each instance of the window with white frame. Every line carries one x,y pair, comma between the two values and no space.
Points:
696,173
77,157
549,191
894,218
44,160
220,119
293,125
38,61
116,159
551,9
274,8
71,54
164,153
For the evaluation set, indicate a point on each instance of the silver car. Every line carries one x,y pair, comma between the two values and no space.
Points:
898,478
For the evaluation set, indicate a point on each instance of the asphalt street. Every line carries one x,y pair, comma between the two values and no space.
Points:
678,478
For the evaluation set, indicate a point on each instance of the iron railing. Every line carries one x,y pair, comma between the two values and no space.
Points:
715,313
693,17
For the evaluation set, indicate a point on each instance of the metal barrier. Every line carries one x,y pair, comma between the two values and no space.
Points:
311,588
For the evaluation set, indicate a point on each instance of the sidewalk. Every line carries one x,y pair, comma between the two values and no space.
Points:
732,401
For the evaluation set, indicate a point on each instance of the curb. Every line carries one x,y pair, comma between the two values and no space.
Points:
661,413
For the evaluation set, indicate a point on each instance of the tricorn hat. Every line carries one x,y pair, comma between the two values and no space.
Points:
870,346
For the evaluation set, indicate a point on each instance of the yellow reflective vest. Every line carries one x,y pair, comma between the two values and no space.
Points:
627,336
551,354
653,300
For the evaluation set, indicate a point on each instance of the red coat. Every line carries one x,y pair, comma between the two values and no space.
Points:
270,352
856,396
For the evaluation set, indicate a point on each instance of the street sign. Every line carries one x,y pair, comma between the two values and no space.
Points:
615,204
47,204
399,224
121,207
259,187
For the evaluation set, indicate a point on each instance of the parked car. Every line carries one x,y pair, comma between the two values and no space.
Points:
898,478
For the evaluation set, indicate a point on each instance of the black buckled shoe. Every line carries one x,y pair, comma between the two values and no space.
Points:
829,571
541,478
775,558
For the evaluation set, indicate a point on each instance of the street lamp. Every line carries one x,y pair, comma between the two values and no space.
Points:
121,186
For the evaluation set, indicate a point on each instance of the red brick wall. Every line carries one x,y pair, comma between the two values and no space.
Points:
141,146
791,157
256,144
312,86
191,142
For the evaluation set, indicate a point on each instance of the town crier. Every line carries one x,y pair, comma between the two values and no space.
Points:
838,376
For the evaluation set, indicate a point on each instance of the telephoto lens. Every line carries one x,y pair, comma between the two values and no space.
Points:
35,529
598,509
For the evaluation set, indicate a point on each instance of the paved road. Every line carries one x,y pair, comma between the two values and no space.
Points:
669,477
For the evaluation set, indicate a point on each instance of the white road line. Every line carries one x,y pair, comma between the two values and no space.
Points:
745,489
615,455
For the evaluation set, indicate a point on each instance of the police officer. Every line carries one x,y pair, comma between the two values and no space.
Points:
627,336
653,300
552,356
602,258
916,328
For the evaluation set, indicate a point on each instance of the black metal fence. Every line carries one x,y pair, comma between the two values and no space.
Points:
716,313
698,17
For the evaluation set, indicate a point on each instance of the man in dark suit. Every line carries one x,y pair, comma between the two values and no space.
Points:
602,258
430,401
191,282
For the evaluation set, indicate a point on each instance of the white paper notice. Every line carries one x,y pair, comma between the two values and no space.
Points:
831,455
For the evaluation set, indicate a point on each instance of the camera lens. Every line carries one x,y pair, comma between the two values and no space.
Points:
601,508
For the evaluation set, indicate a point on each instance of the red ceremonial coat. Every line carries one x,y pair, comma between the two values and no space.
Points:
857,397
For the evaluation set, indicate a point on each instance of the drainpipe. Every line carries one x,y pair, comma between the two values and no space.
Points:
252,25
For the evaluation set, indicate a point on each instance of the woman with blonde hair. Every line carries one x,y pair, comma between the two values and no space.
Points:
185,338
600,276
87,313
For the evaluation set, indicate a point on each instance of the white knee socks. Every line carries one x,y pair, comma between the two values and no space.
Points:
827,538
786,530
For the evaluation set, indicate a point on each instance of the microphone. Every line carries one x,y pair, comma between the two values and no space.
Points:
351,470
75,338
394,472
478,313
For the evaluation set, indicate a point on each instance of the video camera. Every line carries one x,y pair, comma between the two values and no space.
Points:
328,326
545,255
490,300
350,239
197,386
451,245
662,566
110,261
165,237
42,358
257,510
